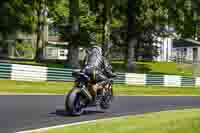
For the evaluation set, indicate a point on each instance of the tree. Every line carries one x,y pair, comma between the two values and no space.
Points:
107,16
58,12
75,25
16,15
73,55
40,9
131,37
184,15
145,20
196,19
103,11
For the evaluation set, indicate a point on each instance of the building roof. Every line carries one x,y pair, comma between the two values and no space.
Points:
186,43
58,43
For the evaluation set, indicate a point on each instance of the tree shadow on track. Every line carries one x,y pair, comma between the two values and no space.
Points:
63,113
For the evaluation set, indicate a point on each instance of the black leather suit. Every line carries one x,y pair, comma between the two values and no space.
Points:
97,67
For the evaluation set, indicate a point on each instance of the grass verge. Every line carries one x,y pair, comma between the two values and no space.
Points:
8,86
181,121
165,68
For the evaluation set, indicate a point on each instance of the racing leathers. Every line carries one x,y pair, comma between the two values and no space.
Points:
97,68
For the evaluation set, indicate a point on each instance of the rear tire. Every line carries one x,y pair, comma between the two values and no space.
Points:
107,99
73,102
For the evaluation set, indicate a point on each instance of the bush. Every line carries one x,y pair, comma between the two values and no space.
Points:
24,50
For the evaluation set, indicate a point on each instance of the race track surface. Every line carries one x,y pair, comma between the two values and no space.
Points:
25,112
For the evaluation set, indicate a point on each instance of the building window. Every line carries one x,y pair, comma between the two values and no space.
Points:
184,52
178,53
51,52
195,54
62,53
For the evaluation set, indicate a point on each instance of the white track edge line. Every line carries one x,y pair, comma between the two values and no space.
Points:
91,121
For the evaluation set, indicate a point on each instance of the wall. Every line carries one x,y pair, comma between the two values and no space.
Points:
162,80
38,73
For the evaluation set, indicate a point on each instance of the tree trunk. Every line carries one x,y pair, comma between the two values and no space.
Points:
107,29
130,58
40,33
137,50
5,45
39,47
73,55
131,38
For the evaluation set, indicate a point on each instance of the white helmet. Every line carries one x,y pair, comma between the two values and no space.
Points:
95,49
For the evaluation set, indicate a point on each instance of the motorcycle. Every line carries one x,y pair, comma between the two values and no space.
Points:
81,97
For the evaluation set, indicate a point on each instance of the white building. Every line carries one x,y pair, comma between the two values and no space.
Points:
56,51
186,50
59,51
165,46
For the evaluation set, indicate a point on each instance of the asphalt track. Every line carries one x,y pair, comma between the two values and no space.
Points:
25,112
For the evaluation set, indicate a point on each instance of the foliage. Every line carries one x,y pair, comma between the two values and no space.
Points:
87,24
16,15
24,50
151,20
59,12
184,15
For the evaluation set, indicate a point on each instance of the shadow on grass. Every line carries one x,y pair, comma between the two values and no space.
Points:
165,73
140,68
160,73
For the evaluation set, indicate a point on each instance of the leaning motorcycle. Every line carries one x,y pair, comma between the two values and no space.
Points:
80,96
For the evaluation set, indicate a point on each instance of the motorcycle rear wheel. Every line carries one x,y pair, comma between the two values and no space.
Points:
107,99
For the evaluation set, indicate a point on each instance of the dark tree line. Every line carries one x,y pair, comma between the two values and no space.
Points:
131,24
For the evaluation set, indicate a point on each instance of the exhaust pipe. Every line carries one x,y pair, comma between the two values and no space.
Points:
86,93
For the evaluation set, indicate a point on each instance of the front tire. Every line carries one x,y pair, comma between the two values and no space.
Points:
73,102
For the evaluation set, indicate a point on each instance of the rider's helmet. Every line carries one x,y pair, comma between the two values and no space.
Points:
95,50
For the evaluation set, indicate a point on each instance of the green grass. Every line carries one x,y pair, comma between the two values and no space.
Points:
167,68
8,86
154,90
181,121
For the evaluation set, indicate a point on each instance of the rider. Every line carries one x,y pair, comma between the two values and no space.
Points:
97,67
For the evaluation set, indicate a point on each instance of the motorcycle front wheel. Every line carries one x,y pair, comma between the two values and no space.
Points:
73,103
